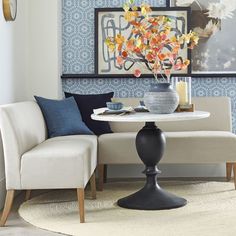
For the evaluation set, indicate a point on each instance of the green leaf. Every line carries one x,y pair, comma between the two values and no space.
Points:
126,7
131,2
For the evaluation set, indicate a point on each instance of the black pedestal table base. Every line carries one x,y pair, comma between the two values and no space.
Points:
150,144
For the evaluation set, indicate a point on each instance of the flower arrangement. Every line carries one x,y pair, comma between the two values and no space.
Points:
151,44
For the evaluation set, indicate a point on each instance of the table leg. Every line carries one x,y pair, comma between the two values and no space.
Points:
150,144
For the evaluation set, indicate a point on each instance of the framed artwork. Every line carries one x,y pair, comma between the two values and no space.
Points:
110,22
215,22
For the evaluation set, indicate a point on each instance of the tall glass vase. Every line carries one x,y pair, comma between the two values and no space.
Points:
182,86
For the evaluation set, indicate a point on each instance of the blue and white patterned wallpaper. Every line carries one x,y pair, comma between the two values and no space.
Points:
78,32
78,57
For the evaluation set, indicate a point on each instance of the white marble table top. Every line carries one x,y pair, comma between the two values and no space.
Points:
148,117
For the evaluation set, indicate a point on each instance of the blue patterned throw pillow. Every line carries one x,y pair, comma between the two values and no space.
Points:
62,117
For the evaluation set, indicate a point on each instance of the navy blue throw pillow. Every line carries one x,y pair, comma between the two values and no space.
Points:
86,104
62,117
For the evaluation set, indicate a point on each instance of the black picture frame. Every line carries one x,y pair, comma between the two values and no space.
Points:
98,10
220,74
168,3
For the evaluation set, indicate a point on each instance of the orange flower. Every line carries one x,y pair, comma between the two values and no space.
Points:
149,57
119,47
135,23
154,30
145,9
161,56
163,36
128,16
120,60
131,15
137,50
153,42
187,62
154,23
119,39
135,31
173,39
148,34
158,38
130,44
175,50
151,19
137,73
124,54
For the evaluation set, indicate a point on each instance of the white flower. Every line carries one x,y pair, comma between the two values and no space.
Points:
223,10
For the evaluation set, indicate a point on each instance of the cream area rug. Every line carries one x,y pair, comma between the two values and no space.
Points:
211,211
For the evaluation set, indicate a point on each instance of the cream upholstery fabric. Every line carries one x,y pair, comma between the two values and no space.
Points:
64,162
22,127
33,163
220,119
181,147
202,141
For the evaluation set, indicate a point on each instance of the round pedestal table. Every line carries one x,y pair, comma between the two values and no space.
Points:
150,145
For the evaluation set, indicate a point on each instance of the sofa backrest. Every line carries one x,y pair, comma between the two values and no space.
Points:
219,120
22,127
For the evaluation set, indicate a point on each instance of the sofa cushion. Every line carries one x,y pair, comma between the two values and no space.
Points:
182,147
86,104
62,117
61,162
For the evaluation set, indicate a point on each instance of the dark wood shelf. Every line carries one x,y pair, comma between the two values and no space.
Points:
94,76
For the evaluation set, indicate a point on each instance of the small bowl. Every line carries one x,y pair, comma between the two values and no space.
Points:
114,105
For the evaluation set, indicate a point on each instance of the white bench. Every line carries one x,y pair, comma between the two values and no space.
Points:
200,141
34,162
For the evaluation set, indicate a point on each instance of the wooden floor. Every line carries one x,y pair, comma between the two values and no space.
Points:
18,227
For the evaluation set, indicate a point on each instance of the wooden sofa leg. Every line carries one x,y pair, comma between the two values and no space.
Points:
7,207
100,177
80,196
105,174
27,195
234,168
93,185
229,168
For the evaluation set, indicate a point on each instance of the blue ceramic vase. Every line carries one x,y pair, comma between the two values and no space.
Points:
161,98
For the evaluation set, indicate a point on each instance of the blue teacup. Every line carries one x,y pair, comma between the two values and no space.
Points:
114,105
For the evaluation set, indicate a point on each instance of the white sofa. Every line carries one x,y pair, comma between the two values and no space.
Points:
34,162
208,140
